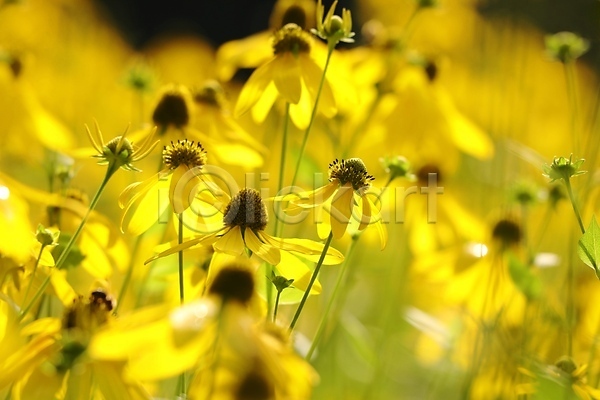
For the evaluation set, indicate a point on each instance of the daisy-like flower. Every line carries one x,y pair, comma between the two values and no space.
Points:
345,198
291,74
175,115
119,151
144,202
244,221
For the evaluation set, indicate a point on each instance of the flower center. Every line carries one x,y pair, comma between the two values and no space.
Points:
508,232
425,170
254,386
172,109
234,283
87,316
294,15
184,152
246,209
291,38
351,171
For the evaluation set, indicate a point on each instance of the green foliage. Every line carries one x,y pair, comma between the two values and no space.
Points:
589,246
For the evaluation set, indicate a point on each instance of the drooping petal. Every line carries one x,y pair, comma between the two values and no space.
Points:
183,187
286,76
264,105
175,247
341,210
262,248
137,189
254,88
310,199
140,215
231,242
305,248
300,113
311,74
376,219
235,54
293,268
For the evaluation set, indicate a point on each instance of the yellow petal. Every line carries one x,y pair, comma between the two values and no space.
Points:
341,210
293,268
183,188
140,215
286,76
264,105
231,242
300,113
311,74
305,248
254,88
175,248
244,53
262,249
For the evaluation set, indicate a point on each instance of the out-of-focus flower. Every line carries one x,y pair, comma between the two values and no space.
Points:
566,46
62,367
563,168
291,74
175,114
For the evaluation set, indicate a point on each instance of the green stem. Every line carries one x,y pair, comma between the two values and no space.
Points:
572,198
112,168
313,278
569,69
276,305
312,116
37,262
129,272
179,241
332,298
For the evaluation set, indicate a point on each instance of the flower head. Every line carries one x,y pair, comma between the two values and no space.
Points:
184,152
566,46
563,168
119,151
173,107
334,28
351,171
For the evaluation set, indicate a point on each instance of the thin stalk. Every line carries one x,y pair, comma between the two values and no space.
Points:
312,116
572,198
37,262
276,306
269,269
572,93
332,299
313,278
179,241
129,272
63,256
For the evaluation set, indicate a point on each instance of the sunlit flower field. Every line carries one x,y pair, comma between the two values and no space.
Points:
401,208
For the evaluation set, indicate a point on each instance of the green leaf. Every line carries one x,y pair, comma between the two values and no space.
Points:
524,279
589,246
75,256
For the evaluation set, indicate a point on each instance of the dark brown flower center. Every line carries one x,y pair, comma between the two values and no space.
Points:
246,210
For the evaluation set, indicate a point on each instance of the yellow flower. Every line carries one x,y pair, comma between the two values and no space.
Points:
175,115
61,366
216,120
217,338
244,222
176,184
346,195
291,74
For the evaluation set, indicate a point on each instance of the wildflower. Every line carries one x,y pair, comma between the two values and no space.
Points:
333,28
61,358
144,202
255,50
244,221
566,46
346,193
563,168
175,114
216,120
119,152
291,74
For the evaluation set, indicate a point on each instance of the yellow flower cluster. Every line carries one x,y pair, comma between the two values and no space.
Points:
385,211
